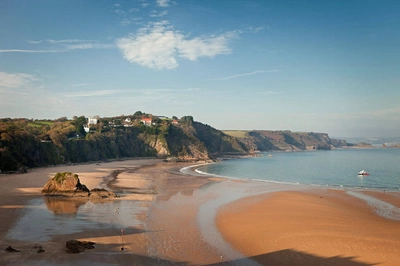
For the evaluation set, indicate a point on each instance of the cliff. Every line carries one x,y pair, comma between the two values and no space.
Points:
26,143
265,140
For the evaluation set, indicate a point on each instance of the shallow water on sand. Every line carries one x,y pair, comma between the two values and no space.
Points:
335,168
46,217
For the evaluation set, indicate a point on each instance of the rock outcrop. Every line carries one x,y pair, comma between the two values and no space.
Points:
76,246
65,184
98,194
68,184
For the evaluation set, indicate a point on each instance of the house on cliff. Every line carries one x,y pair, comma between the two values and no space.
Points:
90,121
147,121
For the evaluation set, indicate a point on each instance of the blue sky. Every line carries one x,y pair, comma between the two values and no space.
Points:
321,66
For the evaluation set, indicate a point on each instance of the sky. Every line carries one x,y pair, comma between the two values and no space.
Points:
329,66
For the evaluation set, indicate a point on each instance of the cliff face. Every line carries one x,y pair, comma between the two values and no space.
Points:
216,141
265,140
26,143
184,145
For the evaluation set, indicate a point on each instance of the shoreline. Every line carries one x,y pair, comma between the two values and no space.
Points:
167,216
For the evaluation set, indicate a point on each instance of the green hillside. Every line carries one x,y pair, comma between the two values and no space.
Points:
27,143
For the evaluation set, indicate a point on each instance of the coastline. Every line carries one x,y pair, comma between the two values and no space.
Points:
168,217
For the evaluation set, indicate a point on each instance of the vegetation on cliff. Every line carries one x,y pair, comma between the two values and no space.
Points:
265,140
27,143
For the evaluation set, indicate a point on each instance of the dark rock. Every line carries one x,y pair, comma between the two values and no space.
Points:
97,194
10,249
39,249
65,184
76,246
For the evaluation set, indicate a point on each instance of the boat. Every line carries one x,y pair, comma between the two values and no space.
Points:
363,172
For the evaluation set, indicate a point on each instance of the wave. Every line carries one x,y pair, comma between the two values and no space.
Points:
382,208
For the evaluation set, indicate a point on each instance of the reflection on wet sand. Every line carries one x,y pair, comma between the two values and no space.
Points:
63,205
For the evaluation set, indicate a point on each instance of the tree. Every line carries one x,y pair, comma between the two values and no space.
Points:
187,120
62,119
78,123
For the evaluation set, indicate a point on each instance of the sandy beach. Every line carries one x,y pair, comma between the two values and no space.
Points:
321,227
165,217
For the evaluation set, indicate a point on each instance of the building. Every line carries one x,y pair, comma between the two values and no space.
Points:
147,121
92,121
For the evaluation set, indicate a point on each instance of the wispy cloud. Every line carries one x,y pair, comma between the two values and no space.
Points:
163,3
144,3
16,80
255,29
82,84
245,74
126,17
156,14
159,45
92,93
66,41
132,10
30,51
82,46
71,44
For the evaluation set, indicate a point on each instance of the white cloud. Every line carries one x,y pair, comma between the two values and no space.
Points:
91,93
125,17
163,3
66,41
245,74
159,45
255,30
81,84
125,22
17,80
156,14
30,51
134,10
82,46
69,44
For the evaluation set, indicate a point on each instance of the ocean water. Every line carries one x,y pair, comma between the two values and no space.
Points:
334,168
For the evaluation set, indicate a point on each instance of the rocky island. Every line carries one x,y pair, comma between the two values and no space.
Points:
67,184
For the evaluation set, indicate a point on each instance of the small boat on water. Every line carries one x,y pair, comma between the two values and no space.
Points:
363,172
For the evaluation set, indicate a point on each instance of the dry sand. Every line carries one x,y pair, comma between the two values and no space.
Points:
164,217
323,227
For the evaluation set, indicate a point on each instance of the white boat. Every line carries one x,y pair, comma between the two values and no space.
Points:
363,172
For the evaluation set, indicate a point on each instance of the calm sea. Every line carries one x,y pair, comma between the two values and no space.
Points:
335,168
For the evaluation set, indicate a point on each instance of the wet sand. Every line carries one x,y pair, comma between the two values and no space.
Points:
154,222
321,227
165,217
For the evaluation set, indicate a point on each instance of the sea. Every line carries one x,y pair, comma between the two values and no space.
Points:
333,168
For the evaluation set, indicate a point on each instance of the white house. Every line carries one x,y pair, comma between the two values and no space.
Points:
92,121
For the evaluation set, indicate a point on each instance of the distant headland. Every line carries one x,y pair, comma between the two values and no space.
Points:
28,143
